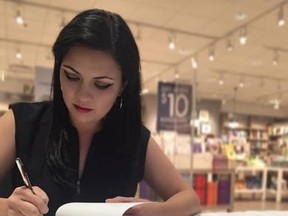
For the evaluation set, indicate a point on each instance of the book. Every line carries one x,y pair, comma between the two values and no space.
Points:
94,209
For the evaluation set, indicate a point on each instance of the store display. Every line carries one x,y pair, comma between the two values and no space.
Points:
213,187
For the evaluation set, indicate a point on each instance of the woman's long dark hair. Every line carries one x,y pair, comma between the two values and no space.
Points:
106,31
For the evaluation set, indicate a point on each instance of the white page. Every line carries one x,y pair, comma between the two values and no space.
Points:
94,209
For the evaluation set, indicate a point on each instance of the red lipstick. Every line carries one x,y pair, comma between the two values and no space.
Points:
82,109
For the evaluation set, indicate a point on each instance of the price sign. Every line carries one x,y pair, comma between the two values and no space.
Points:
174,107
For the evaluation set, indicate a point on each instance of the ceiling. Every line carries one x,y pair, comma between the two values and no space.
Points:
198,28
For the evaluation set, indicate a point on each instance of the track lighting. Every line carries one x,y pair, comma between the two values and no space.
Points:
281,20
229,46
18,54
241,83
177,76
194,63
221,81
275,58
211,54
171,43
19,19
275,103
243,36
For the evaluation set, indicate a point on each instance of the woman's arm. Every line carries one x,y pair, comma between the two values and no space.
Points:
22,201
7,153
7,143
179,198
161,175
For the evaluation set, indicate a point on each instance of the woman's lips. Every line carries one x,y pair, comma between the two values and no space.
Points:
82,109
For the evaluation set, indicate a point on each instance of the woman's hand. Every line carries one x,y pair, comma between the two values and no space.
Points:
125,199
146,208
22,202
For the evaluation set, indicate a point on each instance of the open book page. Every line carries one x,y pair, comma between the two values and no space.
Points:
94,209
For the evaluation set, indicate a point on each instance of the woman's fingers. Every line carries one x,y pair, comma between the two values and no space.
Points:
39,192
125,199
24,202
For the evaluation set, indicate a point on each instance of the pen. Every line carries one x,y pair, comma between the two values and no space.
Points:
24,174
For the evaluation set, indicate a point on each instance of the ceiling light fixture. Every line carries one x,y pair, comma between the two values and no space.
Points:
211,53
275,103
177,76
241,83
171,42
19,19
243,36
221,81
18,54
281,20
240,16
275,58
229,45
194,63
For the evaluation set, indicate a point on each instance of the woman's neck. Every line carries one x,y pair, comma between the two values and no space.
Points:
87,127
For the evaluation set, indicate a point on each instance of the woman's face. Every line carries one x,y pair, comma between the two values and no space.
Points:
90,82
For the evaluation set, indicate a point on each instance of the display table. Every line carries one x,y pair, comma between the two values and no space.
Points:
279,192
253,171
247,213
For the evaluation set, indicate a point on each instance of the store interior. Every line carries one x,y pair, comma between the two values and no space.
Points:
232,53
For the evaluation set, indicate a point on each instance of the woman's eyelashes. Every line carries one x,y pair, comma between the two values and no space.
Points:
98,84
101,85
71,76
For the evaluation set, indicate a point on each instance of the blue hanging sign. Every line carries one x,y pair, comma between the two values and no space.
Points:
174,107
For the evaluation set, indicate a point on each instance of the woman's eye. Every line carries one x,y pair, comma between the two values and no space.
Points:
102,86
70,76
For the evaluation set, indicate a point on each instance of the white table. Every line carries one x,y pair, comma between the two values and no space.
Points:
253,171
247,213
279,192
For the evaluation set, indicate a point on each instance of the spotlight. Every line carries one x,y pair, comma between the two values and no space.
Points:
243,36
211,54
19,19
194,63
281,20
229,46
171,43
18,54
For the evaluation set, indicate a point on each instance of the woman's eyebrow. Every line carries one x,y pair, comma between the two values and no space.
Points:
103,77
98,77
71,68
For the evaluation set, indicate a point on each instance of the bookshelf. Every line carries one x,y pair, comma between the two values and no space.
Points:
278,138
253,129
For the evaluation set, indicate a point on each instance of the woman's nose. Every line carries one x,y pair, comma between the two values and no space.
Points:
84,92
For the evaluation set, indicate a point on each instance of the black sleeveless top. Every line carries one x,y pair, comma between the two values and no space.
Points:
106,173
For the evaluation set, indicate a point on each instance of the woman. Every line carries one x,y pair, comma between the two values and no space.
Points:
88,143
